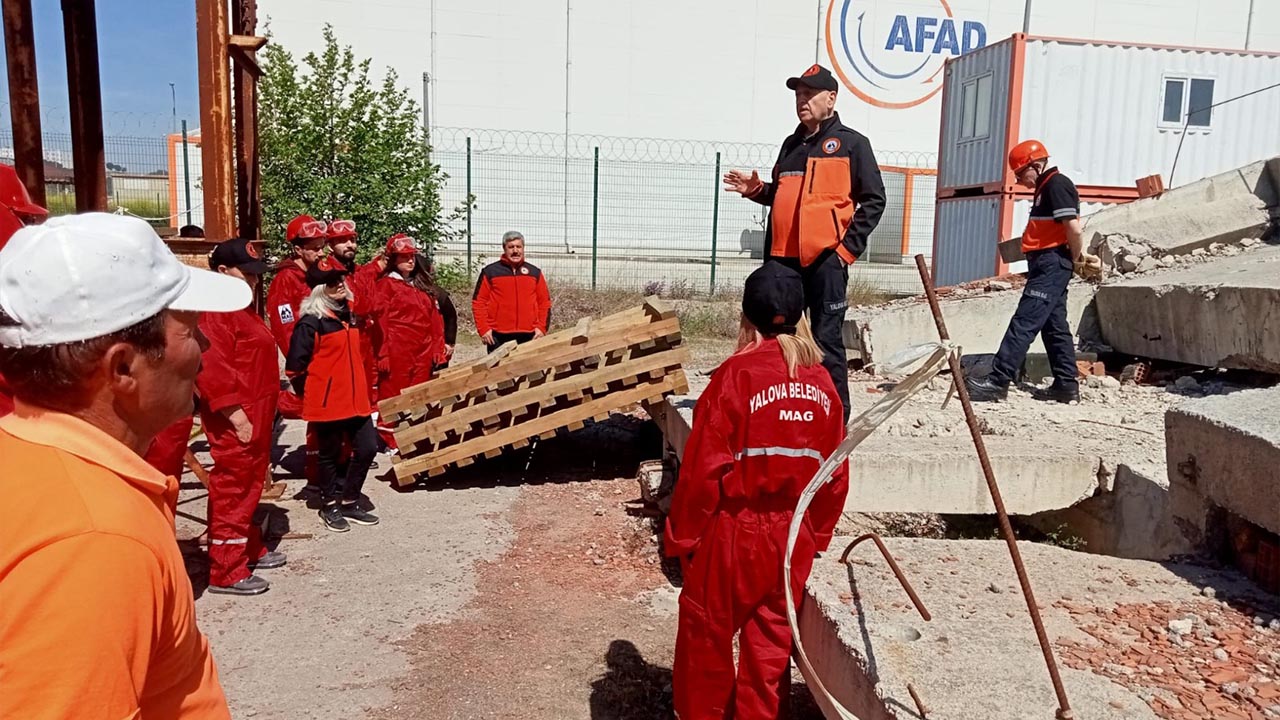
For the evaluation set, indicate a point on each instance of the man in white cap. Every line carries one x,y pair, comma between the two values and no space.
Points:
100,344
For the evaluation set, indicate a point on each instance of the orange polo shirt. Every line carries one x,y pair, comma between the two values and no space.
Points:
97,618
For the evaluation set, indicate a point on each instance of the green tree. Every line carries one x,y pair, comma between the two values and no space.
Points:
335,145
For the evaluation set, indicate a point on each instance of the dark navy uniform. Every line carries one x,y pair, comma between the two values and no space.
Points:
1043,308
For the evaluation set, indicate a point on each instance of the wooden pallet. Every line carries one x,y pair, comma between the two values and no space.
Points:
519,393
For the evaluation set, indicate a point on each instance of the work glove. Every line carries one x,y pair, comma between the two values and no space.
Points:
1088,267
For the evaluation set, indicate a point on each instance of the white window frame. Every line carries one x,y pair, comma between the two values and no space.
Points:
971,86
1185,79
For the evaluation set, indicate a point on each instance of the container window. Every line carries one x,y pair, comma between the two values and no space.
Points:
1201,97
975,108
1187,100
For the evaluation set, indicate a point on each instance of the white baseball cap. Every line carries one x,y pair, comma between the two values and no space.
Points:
79,277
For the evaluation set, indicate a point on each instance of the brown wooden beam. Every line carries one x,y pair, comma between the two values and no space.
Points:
217,158
24,98
80,30
244,22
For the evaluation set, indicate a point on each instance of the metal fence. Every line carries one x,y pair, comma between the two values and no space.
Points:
137,173
635,212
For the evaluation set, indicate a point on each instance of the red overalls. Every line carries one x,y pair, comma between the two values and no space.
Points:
239,368
169,449
6,399
758,437
284,299
412,336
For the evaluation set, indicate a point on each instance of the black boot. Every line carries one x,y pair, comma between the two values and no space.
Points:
1058,393
984,390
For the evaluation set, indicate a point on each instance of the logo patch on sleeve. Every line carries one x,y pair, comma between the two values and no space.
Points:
830,146
286,314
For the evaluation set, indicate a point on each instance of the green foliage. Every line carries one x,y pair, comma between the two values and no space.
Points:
453,275
335,144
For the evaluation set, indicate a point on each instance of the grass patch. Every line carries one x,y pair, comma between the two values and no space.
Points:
861,292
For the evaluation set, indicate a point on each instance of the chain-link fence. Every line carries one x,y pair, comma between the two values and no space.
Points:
137,173
642,213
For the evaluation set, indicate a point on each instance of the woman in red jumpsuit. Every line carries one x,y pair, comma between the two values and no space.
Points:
238,385
410,329
765,423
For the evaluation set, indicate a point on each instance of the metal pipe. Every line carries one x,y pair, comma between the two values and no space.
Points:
595,214
24,98
715,222
186,170
1248,28
1026,17
893,565
469,204
80,30
971,418
920,706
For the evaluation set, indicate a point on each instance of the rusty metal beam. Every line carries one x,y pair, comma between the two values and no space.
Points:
84,88
244,22
217,158
24,97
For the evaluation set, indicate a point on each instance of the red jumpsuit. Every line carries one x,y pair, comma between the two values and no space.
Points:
412,335
169,448
758,438
6,398
239,368
363,286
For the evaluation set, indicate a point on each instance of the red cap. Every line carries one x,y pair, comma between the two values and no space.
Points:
13,194
305,227
401,244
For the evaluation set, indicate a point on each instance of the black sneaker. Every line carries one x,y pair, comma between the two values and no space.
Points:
1057,393
333,518
358,516
984,390
252,585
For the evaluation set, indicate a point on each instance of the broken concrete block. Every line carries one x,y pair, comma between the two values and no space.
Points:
1224,208
1148,263
1224,451
1127,263
1209,315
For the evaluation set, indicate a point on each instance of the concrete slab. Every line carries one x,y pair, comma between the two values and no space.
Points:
978,658
1226,450
942,474
1214,314
977,321
1224,208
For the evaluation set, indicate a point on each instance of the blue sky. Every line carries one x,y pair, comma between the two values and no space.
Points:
143,45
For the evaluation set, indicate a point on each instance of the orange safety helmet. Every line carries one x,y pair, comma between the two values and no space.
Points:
1025,153
305,227
401,244
14,203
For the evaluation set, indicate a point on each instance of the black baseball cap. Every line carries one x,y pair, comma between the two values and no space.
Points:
773,299
816,77
328,270
238,253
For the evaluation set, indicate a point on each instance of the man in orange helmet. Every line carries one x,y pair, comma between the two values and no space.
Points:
1054,247
16,212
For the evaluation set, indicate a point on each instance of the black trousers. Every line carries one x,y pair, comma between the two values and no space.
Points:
501,338
364,446
826,288
1042,310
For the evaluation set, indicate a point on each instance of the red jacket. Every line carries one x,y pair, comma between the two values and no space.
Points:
412,331
758,437
363,286
327,369
511,299
284,297
241,366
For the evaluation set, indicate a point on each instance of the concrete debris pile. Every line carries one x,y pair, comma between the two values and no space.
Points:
519,393
1125,254
1190,660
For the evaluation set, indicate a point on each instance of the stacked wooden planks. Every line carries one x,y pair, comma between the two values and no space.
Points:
519,393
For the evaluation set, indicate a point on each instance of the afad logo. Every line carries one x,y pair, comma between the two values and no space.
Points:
895,61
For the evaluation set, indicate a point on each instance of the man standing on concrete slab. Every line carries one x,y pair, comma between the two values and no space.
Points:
826,198
511,300
1054,247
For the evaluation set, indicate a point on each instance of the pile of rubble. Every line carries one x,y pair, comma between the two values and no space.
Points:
1123,254
1188,660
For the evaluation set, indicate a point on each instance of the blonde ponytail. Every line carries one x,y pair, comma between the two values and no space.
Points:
798,350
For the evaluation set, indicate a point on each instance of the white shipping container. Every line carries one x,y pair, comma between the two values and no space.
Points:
1109,113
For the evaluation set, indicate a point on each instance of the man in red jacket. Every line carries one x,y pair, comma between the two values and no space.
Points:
511,300
361,282
289,287
16,211
767,421
238,384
